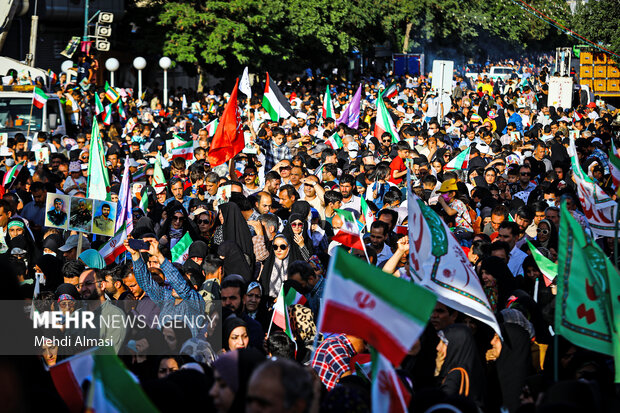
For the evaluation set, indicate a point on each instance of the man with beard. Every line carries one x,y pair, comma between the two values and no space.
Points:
140,303
232,291
311,283
103,223
81,217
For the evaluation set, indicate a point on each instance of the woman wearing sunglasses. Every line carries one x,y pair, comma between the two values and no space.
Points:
274,271
296,231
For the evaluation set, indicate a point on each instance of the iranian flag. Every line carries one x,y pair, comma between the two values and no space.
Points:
334,141
68,377
388,393
295,297
367,217
107,115
124,215
328,106
548,268
274,101
185,151
121,110
280,314
98,180
212,127
158,173
39,98
349,235
111,93
361,300
98,105
384,122
614,169
390,91
11,174
144,202
115,246
460,161
180,251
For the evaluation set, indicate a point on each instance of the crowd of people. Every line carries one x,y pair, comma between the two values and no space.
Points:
264,222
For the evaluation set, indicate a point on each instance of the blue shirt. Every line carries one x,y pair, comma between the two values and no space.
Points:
34,214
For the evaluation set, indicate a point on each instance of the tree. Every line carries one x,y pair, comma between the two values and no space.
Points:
598,21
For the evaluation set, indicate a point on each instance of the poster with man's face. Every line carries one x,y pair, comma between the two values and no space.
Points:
56,207
42,155
81,216
104,217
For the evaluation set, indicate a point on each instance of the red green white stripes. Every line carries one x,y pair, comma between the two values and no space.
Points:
274,101
111,93
328,106
39,98
11,174
384,122
334,141
180,251
185,151
115,246
460,161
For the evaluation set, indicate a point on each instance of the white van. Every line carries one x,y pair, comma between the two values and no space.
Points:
15,110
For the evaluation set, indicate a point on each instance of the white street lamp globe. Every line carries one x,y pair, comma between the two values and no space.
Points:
66,65
139,63
165,63
112,64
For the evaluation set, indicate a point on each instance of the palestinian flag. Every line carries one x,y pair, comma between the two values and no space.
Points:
185,151
390,91
111,94
115,246
113,388
460,161
367,217
121,110
11,174
212,127
39,98
334,141
280,315
548,268
98,105
328,105
349,235
384,122
274,101
107,115
361,300
180,251
388,393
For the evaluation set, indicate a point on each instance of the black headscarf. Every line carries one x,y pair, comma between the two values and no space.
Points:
236,229
234,261
462,353
188,226
52,269
505,281
229,325
294,250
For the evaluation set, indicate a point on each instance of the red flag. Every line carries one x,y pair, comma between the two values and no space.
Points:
228,140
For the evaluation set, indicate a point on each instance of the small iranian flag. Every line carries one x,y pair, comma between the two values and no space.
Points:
548,268
180,251
39,98
384,122
367,217
349,235
98,105
11,174
53,77
295,297
113,388
121,110
107,115
185,151
212,127
361,300
280,315
328,106
390,91
115,246
158,173
274,101
460,161
111,94
334,141
388,393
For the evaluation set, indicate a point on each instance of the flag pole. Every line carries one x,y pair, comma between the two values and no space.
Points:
30,117
616,235
556,343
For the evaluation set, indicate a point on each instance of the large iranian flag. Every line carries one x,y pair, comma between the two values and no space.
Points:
438,263
274,101
328,105
384,122
388,393
39,98
460,161
360,299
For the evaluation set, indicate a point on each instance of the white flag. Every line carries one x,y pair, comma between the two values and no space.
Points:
244,84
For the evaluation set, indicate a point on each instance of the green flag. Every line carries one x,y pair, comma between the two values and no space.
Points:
98,181
588,291
180,251
158,172
548,268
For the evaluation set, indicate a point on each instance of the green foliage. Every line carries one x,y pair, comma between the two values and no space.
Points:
599,21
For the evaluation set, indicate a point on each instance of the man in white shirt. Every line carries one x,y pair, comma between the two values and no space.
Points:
509,233
349,201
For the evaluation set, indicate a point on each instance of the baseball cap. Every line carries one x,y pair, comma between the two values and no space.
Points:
72,242
353,146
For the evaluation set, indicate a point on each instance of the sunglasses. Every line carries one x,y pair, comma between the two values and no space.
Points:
542,231
282,247
250,174
387,141
202,221
525,174
175,218
297,224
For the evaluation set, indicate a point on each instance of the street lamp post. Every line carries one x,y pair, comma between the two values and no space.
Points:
112,65
165,63
139,63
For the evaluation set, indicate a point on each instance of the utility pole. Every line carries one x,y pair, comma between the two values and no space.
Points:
34,28
85,35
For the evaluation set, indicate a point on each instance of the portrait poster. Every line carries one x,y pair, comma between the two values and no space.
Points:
57,210
104,217
4,139
42,155
81,214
